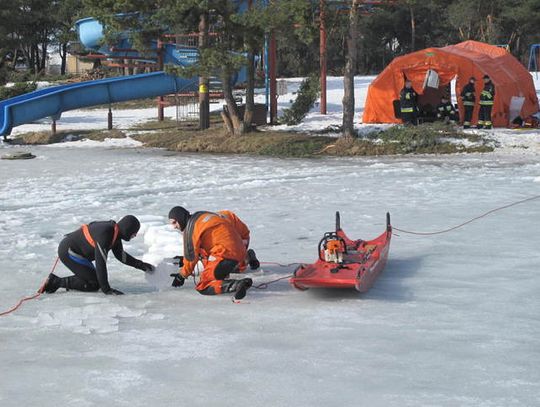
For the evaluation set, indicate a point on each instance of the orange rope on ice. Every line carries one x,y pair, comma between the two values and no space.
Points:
36,295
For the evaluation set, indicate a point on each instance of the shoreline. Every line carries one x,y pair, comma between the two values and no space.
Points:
433,139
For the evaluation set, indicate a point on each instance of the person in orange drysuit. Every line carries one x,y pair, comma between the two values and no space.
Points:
244,233
214,240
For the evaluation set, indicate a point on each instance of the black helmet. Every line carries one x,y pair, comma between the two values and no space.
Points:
181,215
128,226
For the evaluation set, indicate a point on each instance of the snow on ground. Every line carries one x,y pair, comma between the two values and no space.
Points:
508,141
452,321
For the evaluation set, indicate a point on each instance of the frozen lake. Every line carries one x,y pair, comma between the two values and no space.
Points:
452,321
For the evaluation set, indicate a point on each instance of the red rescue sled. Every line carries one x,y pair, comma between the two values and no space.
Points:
345,263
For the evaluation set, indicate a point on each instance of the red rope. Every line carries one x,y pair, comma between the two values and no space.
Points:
265,285
273,263
36,295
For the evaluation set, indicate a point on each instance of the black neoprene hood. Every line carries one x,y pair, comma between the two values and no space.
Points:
128,226
181,215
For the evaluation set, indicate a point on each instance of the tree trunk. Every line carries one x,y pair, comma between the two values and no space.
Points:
63,55
34,59
15,55
228,123
43,63
250,91
250,85
232,109
348,77
413,28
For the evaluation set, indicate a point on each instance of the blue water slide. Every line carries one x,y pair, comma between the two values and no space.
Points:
90,32
51,102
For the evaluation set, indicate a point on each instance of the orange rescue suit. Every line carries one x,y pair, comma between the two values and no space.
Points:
214,238
238,225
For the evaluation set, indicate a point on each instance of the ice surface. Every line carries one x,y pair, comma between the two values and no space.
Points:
453,319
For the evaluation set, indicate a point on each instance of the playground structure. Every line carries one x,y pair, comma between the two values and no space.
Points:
170,49
52,102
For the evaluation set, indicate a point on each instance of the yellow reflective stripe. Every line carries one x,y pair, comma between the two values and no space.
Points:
407,109
486,102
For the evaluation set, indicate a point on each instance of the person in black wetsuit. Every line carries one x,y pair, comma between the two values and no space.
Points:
90,243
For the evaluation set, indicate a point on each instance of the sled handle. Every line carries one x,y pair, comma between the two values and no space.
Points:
338,221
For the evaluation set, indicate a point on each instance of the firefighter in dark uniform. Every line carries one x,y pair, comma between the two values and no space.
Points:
92,242
408,104
469,99
446,111
487,98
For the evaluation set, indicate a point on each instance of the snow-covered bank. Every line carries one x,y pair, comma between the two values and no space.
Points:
451,321
507,141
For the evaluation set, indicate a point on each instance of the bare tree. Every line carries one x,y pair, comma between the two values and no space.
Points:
350,67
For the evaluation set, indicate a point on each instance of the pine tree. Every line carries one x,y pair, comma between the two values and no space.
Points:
8,42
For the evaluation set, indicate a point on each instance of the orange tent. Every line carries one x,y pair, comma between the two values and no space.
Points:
460,61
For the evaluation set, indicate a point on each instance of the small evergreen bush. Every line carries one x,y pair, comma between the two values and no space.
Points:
17,89
307,95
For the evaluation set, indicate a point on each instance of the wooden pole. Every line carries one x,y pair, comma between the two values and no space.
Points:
273,83
161,99
109,119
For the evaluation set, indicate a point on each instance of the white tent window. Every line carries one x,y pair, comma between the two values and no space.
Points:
516,103
431,80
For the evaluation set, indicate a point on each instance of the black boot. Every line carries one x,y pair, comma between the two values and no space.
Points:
52,284
239,287
254,264
76,283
